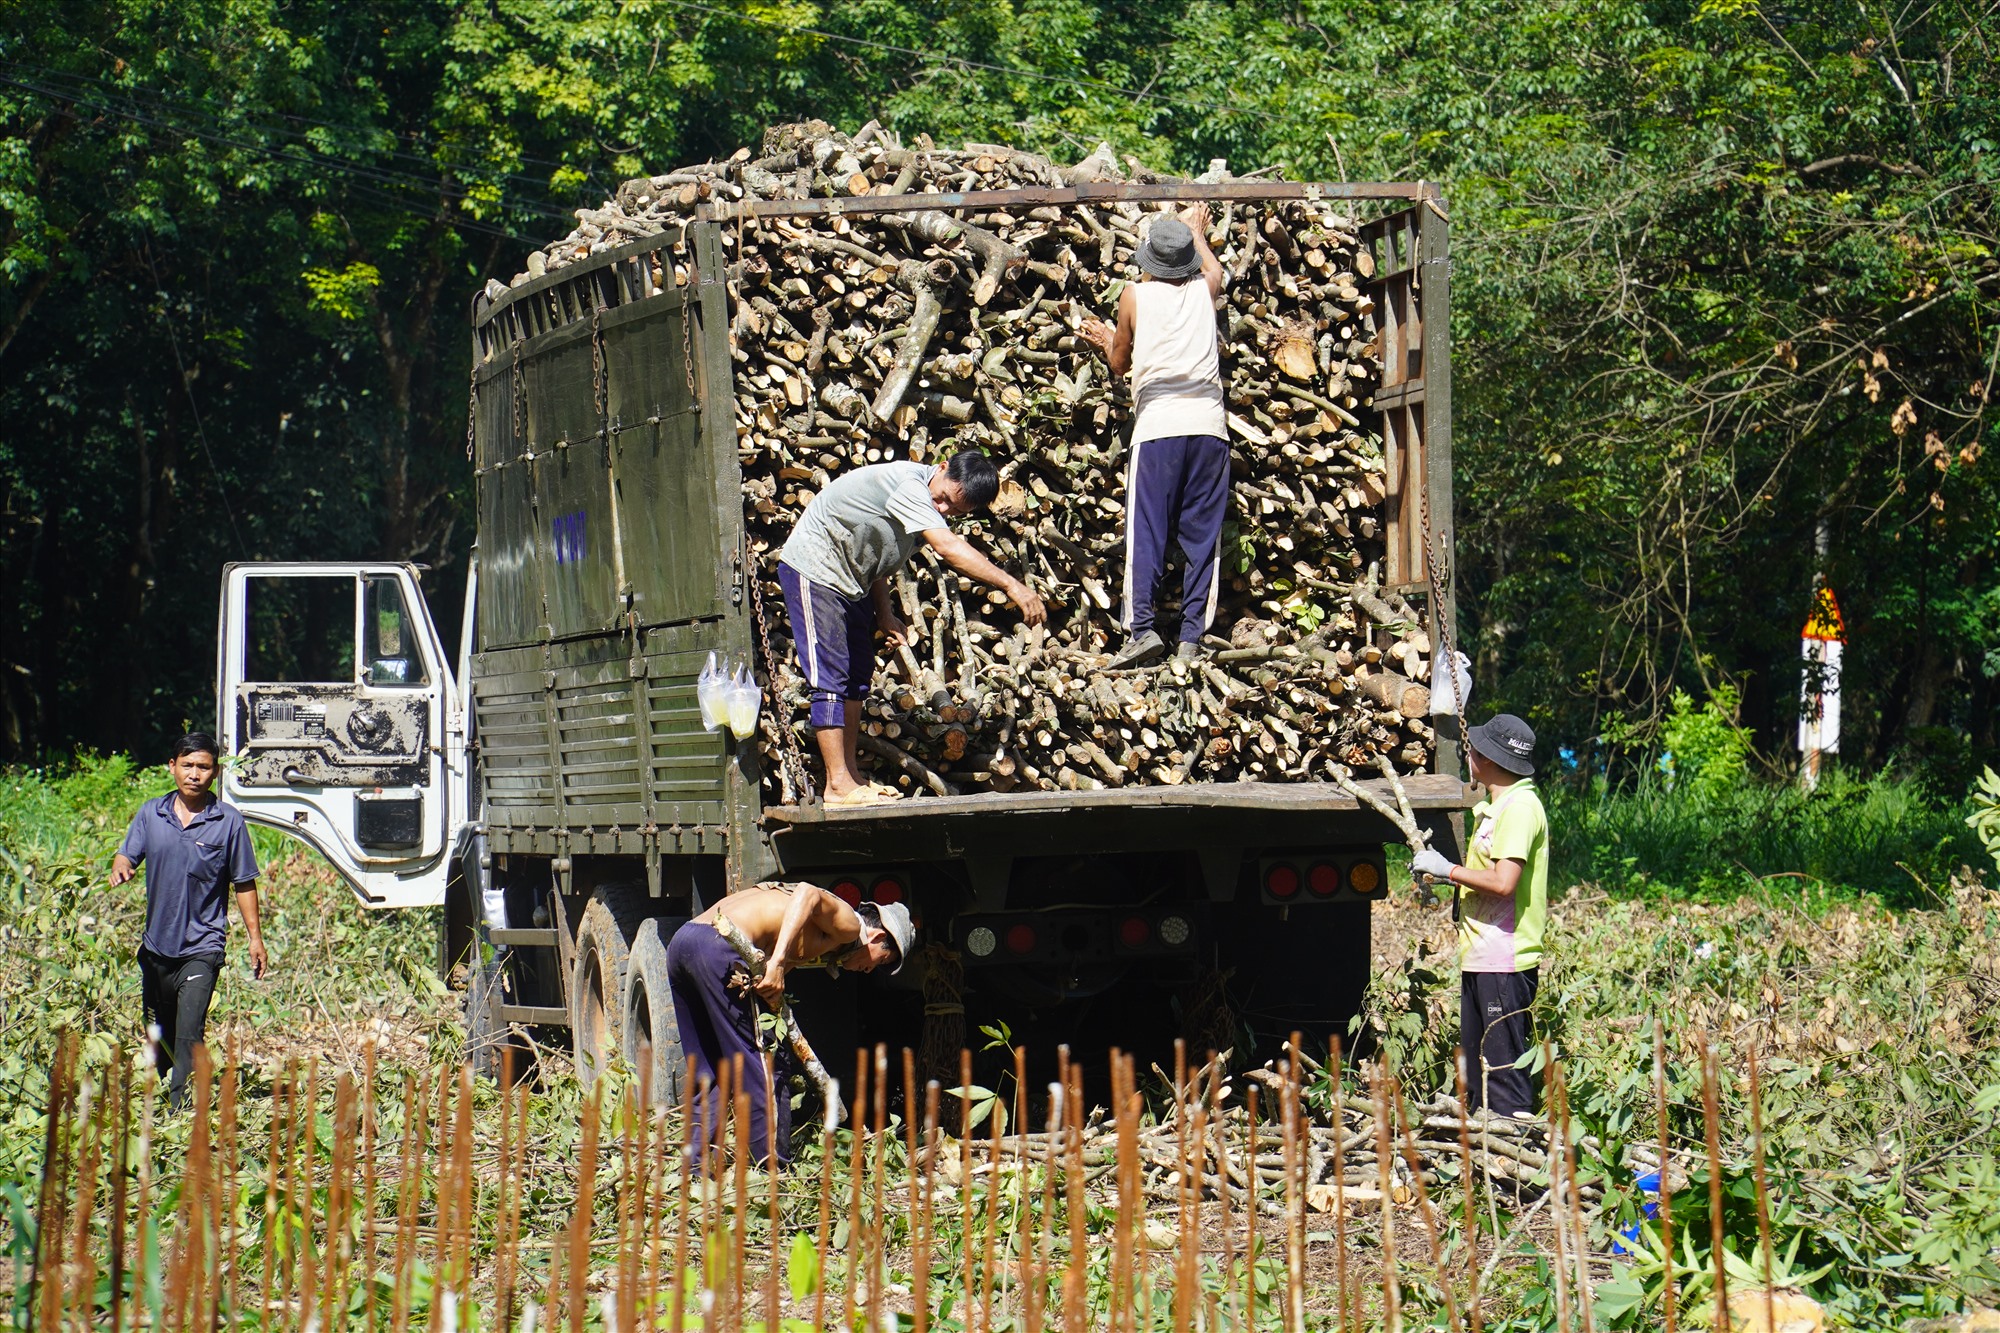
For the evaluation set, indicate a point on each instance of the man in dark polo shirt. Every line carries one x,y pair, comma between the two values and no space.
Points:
194,849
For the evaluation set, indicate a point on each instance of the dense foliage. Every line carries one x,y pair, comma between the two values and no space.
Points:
1725,291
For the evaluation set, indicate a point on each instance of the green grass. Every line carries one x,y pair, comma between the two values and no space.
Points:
1886,837
68,943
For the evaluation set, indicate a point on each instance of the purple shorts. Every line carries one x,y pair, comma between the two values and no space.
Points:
835,638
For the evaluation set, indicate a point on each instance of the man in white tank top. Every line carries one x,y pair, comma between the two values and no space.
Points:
1177,477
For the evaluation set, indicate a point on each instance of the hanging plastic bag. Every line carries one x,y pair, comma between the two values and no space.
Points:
1450,690
746,700
711,691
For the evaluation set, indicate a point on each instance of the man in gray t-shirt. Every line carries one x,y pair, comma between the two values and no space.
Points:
835,572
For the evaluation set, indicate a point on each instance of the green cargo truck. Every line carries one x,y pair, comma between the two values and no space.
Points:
553,787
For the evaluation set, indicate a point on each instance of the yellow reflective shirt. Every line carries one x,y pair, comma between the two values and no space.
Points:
1505,934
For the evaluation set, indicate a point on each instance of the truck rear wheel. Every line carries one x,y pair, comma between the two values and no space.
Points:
597,980
651,1031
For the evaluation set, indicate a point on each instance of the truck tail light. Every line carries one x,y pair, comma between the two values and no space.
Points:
981,942
848,892
1021,938
1134,932
1175,931
1281,881
886,890
1323,879
1364,877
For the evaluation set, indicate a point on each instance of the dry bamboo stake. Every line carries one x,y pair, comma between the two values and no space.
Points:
1224,1167
368,1189
1128,1231
920,1276
81,1265
1045,1237
1074,1289
308,1267
409,1184
1288,1113
46,1277
192,1260
227,1240
1022,1245
992,1227
338,1194
739,1234
1392,1294
631,1198
1763,1195
965,1232
821,1237
142,1269
658,1170
120,1071
773,1315
910,1160
278,1190
444,1197
1414,1161
715,1257
579,1221
1465,1172
878,1267
1560,1200
1252,1222
1185,1172
1669,1291
1711,1124
1579,1248
857,1146
695,1091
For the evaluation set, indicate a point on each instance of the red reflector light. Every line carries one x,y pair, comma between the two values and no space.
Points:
1324,879
886,890
1282,882
1134,932
848,892
1021,938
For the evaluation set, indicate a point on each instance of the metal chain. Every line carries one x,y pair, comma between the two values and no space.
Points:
597,396
520,392
1439,574
471,409
687,335
793,759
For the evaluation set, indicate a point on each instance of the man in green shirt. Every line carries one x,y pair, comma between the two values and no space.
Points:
1503,895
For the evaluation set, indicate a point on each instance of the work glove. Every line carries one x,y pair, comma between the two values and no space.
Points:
1432,863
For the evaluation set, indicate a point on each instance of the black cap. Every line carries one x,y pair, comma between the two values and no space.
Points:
1507,741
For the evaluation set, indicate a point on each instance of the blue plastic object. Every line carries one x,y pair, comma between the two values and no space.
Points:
1649,1185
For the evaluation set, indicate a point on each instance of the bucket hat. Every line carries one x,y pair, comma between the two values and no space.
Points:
895,919
1507,741
1168,250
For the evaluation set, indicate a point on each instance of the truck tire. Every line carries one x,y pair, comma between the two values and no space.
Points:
651,1031
597,980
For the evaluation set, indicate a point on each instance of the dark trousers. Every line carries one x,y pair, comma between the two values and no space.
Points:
1177,490
835,638
718,1024
176,993
1493,1023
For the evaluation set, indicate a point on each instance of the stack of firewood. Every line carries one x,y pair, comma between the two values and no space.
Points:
863,337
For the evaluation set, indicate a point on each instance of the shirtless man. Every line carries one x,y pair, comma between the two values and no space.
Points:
715,997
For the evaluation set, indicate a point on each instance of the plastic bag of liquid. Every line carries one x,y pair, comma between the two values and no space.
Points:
1450,689
711,691
746,700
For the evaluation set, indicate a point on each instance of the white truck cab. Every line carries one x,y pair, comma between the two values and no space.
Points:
342,722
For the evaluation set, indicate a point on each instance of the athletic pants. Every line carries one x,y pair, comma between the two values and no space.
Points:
1176,490
717,1025
835,638
1493,1023
176,993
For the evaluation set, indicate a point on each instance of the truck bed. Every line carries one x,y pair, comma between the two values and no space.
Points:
1427,791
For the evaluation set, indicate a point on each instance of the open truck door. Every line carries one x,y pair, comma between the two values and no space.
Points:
341,723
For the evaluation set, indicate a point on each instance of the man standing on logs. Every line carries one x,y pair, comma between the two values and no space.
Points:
1503,907
1177,482
835,572
716,991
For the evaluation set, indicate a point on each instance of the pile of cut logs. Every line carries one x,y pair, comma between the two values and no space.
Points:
862,337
